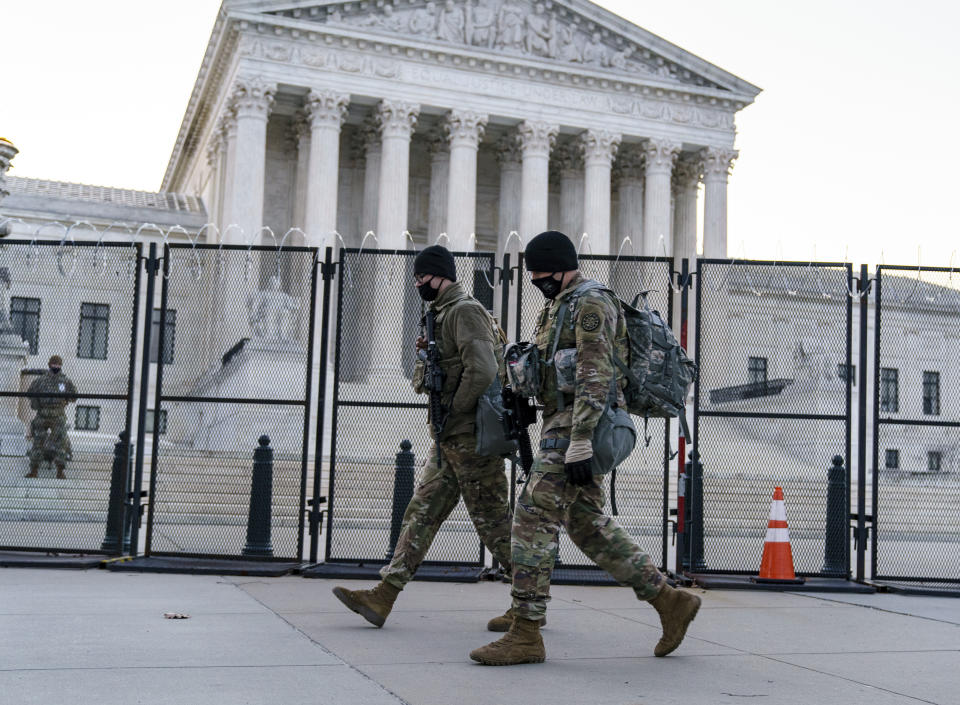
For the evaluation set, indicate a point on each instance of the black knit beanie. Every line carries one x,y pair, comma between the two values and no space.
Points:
435,260
551,251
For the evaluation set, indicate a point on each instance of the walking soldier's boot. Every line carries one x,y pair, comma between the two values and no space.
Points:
373,605
522,644
60,473
33,470
677,609
503,622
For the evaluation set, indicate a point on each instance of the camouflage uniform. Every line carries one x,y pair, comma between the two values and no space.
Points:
50,417
466,341
548,500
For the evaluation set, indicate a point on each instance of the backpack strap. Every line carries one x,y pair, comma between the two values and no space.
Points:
581,289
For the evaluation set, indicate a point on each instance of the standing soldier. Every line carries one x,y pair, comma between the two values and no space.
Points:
465,337
50,418
561,489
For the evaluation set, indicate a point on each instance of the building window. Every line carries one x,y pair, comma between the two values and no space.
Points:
892,459
25,320
889,390
757,370
87,418
934,460
155,421
844,374
94,331
931,393
169,335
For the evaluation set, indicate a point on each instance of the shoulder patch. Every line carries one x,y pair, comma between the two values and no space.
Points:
590,321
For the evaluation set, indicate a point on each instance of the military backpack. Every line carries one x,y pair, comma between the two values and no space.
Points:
657,369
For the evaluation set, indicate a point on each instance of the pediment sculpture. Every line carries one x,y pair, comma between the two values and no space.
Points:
512,26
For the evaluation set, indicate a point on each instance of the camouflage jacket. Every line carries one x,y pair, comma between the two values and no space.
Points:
585,349
52,383
465,339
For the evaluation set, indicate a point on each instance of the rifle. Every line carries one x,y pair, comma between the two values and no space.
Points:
434,377
519,414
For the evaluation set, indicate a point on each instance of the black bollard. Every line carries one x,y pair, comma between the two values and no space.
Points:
113,537
695,513
261,496
402,492
835,549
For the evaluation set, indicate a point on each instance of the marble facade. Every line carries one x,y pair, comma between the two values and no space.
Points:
469,118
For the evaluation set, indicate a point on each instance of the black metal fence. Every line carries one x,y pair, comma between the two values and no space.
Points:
61,487
231,360
375,408
916,425
183,361
772,407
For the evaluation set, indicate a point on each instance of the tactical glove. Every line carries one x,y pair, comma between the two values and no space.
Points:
579,473
579,463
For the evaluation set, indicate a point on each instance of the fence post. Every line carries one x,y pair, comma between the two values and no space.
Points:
113,537
261,492
402,492
835,551
695,515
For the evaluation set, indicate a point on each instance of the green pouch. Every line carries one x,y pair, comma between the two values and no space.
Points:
614,439
491,428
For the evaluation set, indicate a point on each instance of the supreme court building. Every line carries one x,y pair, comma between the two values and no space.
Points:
473,118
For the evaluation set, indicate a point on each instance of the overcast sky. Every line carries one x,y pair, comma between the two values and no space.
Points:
850,152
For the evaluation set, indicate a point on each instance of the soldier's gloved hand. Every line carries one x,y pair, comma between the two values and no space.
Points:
578,463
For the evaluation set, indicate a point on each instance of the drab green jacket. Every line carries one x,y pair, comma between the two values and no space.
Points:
465,339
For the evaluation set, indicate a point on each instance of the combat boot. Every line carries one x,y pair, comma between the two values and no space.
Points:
522,644
60,473
677,609
503,622
33,470
373,605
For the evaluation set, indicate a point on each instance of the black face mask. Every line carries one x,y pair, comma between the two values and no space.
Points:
427,292
55,370
549,286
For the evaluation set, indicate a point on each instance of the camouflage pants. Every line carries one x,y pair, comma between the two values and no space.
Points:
56,446
482,482
549,501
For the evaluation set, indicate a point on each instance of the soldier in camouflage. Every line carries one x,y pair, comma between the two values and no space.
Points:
467,338
49,426
577,379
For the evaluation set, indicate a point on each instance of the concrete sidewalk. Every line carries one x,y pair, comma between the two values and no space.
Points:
97,637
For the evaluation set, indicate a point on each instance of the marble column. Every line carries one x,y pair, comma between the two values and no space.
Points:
464,130
659,155
686,181
511,182
568,157
326,111
300,134
717,162
395,120
508,219
371,181
228,128
216,157
252,100
599,148
628,172
7,153
536,141
439,181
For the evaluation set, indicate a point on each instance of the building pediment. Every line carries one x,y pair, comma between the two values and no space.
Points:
571,34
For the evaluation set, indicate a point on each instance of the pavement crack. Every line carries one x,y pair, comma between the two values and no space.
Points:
319,645
883,609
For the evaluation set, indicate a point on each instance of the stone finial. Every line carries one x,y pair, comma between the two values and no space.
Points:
7,153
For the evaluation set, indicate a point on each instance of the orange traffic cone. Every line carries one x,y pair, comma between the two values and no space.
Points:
777,563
